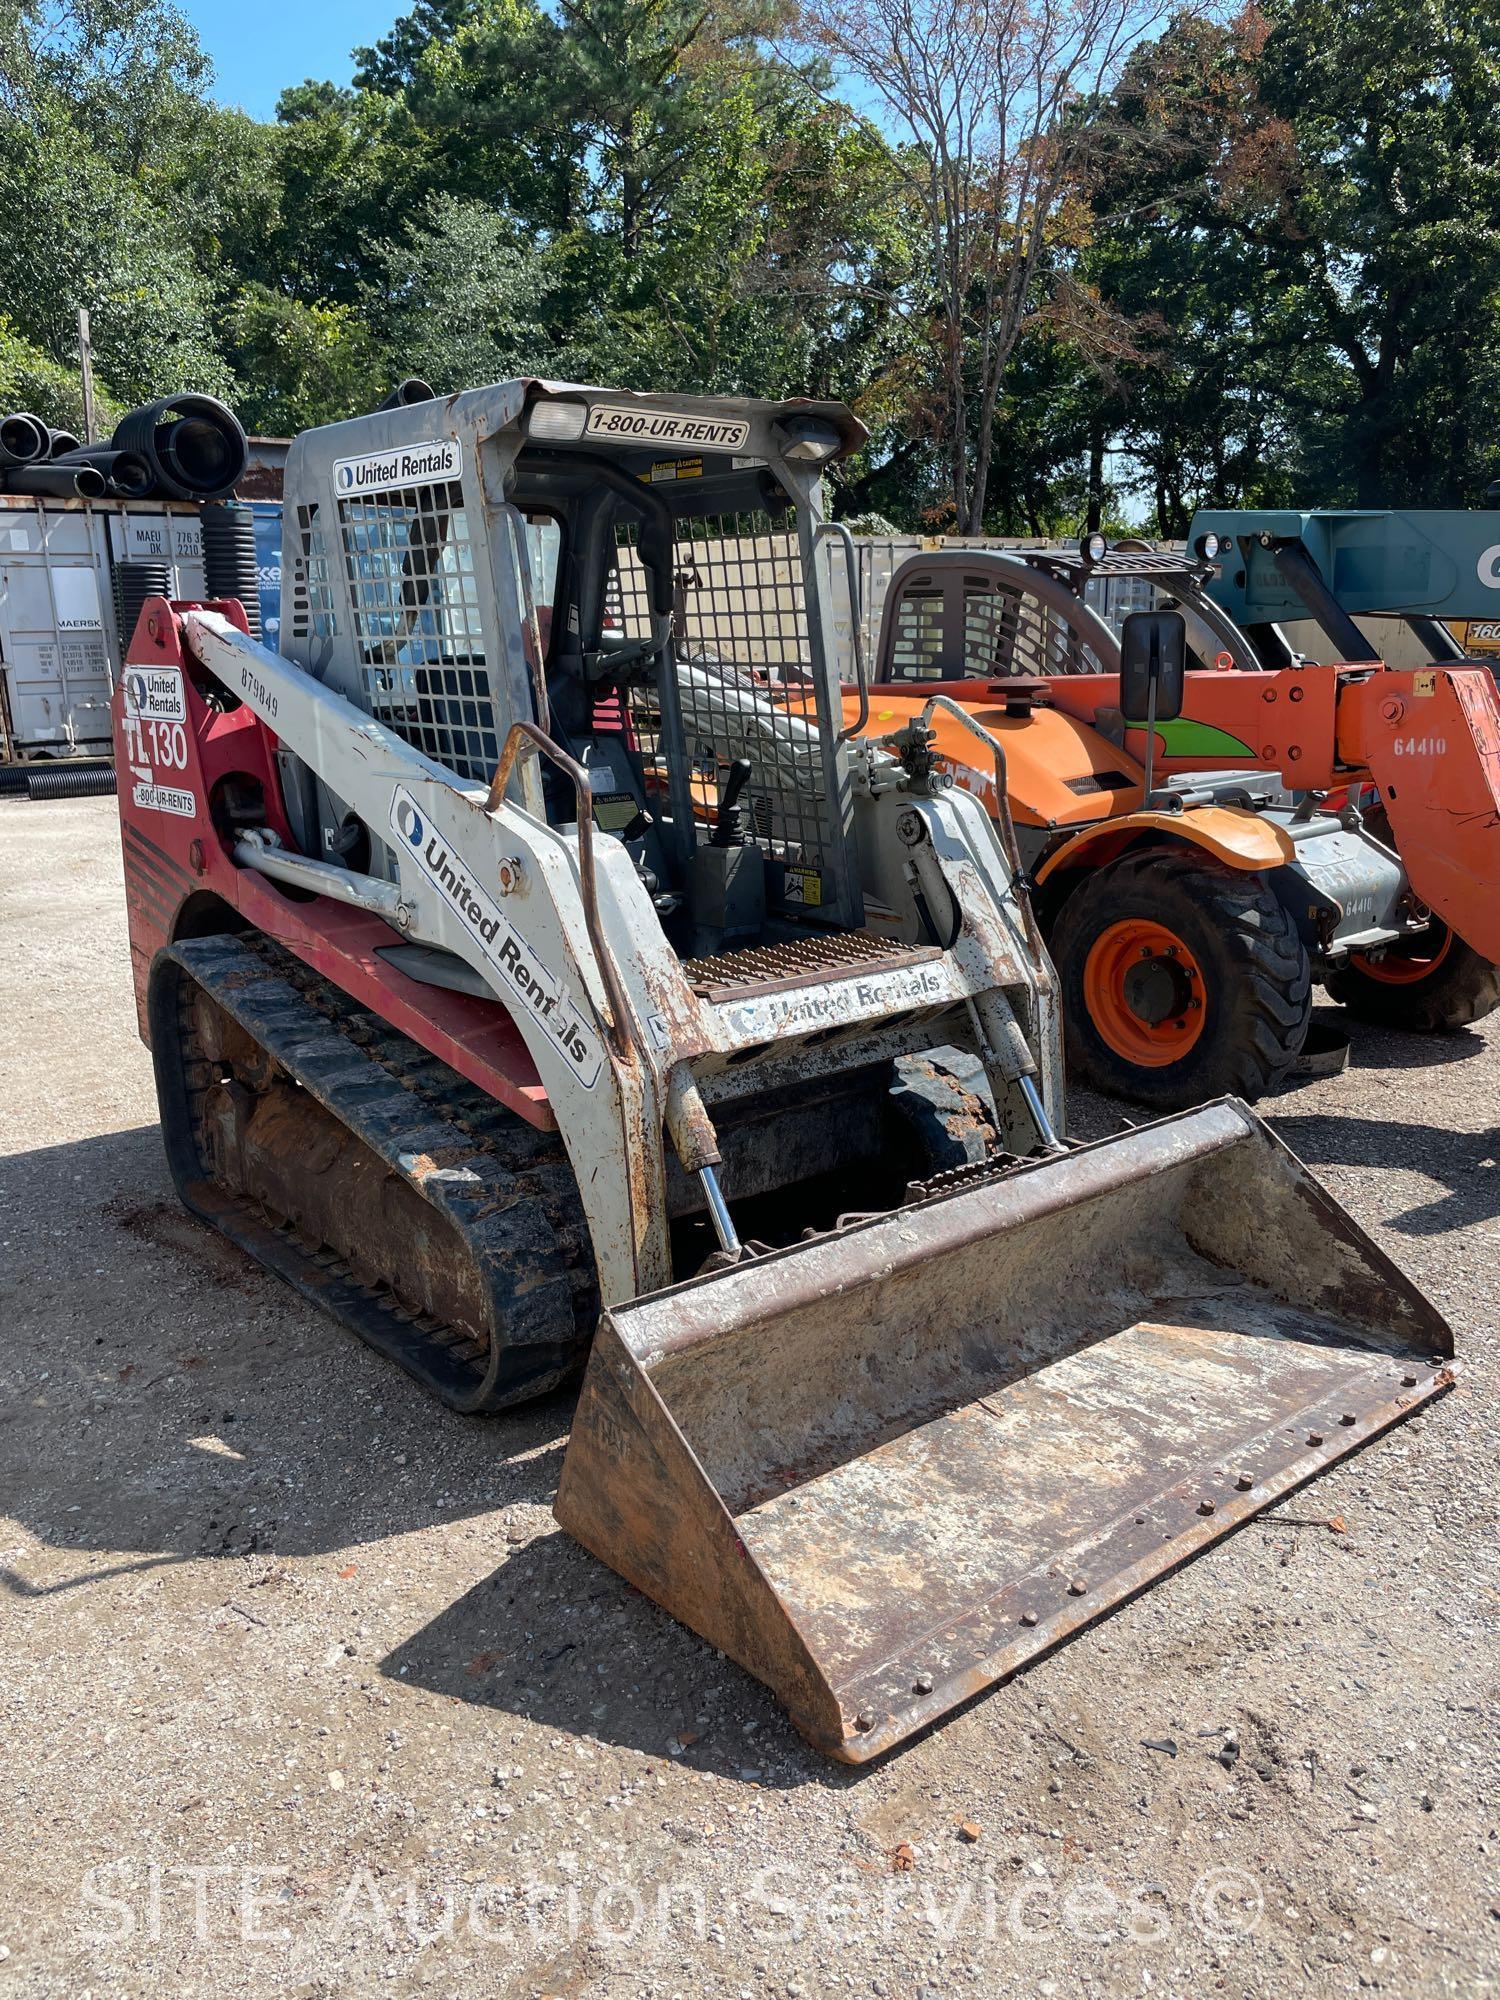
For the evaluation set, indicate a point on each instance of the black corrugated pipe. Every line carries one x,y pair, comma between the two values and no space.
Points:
60,443
229,565
70,781
134,583
61,482
412,390
125,472
22,439
193,444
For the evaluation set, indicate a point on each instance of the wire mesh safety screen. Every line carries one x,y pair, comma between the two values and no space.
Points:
744,669
410,566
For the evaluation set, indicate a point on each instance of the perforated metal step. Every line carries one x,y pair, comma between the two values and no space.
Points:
815,959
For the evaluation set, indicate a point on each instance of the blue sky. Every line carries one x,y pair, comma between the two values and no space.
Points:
258,50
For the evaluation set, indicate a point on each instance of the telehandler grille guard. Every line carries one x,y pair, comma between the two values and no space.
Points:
885,1468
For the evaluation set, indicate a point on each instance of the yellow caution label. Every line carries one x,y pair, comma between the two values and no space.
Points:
667,469
1424,683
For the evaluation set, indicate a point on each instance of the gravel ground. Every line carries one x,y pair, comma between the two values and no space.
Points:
303,1692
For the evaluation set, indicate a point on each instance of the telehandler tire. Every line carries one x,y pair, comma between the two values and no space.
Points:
1181,980
1431,984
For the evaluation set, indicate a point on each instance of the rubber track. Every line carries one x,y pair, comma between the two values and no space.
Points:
505,1186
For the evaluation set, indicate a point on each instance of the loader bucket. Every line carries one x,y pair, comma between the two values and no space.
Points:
884,1468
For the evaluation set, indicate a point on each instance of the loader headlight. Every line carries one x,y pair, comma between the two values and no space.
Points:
1207,547
807,440
556,422
1095,548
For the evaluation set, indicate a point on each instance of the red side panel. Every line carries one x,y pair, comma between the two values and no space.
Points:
180,763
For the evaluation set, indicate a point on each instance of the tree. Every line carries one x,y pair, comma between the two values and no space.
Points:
31,380
299,365
1206,402
101,117
981,98
1379,195
1301,214
461,303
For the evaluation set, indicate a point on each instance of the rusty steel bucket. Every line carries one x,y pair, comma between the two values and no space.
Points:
884,1468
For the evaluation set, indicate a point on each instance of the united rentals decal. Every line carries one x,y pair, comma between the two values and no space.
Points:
537,990
154,694
431,464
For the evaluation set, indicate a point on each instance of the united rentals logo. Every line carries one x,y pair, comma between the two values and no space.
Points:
154,694
537,989
432,463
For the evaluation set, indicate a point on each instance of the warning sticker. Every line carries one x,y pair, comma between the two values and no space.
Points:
155,694
665,470
630,426
803,885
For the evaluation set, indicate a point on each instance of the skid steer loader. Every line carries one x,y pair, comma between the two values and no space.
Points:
1197,868
466,1023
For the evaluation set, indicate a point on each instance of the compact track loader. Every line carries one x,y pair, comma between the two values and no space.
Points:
467,1021
1197,869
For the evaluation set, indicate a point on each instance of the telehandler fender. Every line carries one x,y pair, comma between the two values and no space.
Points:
1240,839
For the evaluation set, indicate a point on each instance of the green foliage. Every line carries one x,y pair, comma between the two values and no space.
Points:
298,365
461,303
1301,214
101,118
1276,279
31,380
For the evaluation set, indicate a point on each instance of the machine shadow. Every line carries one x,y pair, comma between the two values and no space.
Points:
1395,1048
555,1638
165,1400
1469,1162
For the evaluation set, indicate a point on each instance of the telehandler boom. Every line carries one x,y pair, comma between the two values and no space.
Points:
468,1024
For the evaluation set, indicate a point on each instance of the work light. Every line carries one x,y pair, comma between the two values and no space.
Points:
556,422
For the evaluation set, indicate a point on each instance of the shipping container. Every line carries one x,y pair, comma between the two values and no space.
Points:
59,625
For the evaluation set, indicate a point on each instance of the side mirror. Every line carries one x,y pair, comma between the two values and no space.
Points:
1153,664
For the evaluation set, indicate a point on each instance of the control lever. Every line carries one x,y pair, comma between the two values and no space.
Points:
729,822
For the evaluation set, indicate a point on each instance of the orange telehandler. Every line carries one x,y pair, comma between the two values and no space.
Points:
1205,839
